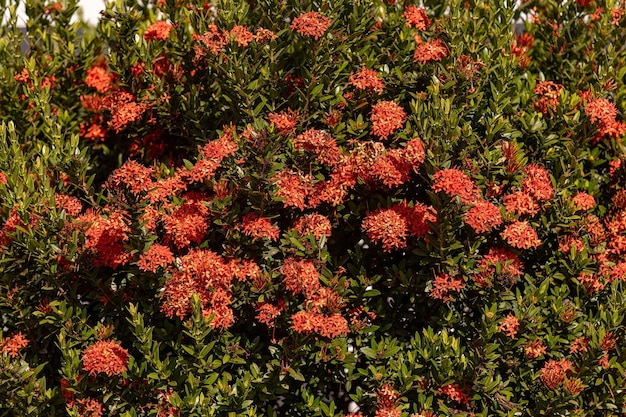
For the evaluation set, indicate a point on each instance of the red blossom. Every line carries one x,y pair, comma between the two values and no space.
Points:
105,357
367,80
314,223
553,372
521,235
155,257
444,284
300,276
321,144
388,227
520,203
509,325
432,51
158,31
454,183
483,216
583,201
285,122
241,35
416,18
387,117
258,227
12,345
548,96
311,24
98,78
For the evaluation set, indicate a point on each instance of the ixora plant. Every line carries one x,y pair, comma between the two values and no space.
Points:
334,208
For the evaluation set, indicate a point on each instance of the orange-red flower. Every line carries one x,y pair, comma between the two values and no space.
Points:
285,121
264,36
258,227
416,18
12,345
520,203
430,51
509,325
454,183
553,372
156,256
454,392
483,216
548,96
311,24
443,284
105,357
158,31
320,143
534,349
537,182
387,117
387,226
499,263
241,35
98,78
521,235
367,79
300,276
583,201
313,223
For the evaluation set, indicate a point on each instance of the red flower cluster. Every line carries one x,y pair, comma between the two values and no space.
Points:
367,80
520,47
99,78
548,96
509,325
393,225
313,223
327,325
88,407
387,402
258,227
300,276
553,372
583,201
455,183
521,235
105,237
105,357
537,182
520,203
156,256
267,313
443,284
12,345
416,18
320,143
498,263
604,113
133,176
241,35
213,41
483,216
208,275
285,122
70,204
431,51
534,349
311,24
454,392
387,117
158,31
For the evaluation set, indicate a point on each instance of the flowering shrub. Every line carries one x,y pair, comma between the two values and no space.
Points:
372,208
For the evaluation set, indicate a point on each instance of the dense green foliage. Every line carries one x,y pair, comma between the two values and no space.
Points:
313,208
